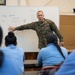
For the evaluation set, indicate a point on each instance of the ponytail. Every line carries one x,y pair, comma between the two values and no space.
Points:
59,49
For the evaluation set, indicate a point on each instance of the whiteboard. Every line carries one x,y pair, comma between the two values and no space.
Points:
19,15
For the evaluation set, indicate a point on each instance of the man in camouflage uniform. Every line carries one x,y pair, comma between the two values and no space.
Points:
42,28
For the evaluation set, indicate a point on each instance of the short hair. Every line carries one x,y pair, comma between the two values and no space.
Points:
40,11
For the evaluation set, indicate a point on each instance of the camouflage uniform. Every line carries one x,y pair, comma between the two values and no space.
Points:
42,28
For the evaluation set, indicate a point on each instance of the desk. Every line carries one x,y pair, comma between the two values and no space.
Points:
31,73
69,51
32,65
31,62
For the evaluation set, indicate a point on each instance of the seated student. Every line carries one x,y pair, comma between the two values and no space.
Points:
68,67
12,63
52,54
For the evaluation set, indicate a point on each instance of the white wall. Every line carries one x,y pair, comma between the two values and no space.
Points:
11,2
66,6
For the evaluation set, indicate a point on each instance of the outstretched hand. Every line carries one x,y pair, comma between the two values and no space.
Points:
11,28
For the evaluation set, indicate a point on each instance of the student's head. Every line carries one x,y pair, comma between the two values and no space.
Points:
40,15
10,39
51,38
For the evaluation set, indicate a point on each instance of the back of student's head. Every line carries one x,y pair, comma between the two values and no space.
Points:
1,53
10,39
52,38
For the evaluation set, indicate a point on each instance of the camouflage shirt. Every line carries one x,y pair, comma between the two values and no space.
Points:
42,29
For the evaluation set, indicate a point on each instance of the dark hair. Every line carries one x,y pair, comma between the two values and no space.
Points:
10,39
52,38
1,53
1,35
1,58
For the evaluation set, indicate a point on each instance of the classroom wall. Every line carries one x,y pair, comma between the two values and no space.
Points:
67,28
15,3
66,6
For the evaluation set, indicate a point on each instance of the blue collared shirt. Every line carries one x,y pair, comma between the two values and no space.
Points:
13,61
68,67
50,55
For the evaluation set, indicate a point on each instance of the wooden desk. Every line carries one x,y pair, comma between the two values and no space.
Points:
31,65
69,51
31,73
31,62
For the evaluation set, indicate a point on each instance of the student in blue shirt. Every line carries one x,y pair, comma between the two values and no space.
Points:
12,63
52,54
68,67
